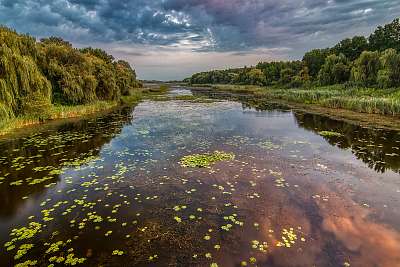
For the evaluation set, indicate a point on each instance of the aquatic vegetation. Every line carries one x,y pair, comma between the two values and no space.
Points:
252,260
330,134
23,249
153,257
257,245
289,238
118,252
26,263
72,260
26,232
177,219
205,160
269,145
54,247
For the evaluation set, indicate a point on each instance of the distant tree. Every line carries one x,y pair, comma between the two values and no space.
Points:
351,48
389,75
302,78
304,74
314,60
287,76
254,77
386,37
335,70
366,67
272,70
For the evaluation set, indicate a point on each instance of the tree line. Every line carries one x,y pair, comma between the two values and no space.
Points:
37,74
372,62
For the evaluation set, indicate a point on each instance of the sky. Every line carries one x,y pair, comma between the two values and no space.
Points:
172,39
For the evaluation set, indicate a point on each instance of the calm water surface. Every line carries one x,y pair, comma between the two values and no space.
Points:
109,191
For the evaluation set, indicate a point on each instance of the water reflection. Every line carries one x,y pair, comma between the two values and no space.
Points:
378,148
111,192
30,163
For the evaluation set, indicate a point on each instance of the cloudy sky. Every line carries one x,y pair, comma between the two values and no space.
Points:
171,39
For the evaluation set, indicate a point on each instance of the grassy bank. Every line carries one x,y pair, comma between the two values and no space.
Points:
363,100
55,112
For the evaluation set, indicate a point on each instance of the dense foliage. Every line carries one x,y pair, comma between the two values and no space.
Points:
35,75
372,62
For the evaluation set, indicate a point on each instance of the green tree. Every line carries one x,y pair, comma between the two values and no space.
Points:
389,75
287,76
302,78
386,37
97,52
256,77
56,41
335,70
33,75
365,69
314,60
22,84
351,48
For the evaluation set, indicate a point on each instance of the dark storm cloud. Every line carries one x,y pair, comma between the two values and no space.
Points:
228,33
211,24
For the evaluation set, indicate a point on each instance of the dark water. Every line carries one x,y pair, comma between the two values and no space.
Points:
79,192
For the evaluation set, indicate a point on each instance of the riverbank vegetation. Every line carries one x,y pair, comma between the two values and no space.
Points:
340,96
359,73
49,79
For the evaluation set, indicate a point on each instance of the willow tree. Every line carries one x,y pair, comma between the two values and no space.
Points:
23,88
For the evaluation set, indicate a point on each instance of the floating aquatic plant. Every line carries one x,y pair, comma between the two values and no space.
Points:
330,134
117,252
205,160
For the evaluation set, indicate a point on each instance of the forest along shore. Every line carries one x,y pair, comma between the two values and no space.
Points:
50,79
360,74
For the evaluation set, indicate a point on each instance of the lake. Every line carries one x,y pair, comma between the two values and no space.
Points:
111,190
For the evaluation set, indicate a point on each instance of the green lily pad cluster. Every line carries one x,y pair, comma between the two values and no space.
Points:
205,160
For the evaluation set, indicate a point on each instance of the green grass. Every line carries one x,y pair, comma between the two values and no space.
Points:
133,98
55,112
359,99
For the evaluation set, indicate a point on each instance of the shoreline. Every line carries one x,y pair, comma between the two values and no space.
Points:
57,113
78,111
391,122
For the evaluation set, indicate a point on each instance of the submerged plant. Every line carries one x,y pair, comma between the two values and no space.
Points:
205,160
